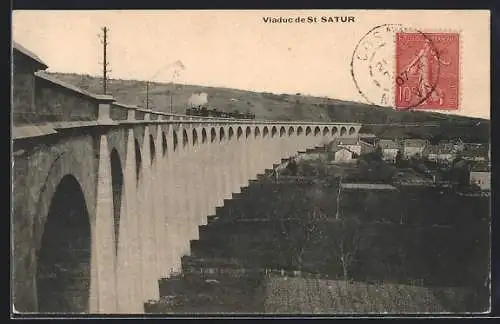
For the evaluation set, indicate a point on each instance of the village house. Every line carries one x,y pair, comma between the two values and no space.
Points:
345,150
413,147
480,175
352,144
476,152
366,147
344,154
368,138
456,145
389,150
440,153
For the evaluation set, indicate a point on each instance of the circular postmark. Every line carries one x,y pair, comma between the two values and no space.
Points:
393,65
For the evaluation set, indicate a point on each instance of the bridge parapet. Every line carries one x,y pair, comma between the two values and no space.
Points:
55,101
123,113
41,99
144,181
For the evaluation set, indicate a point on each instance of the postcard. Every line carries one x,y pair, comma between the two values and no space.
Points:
251,162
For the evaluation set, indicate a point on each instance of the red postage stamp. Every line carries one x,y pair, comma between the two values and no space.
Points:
427,71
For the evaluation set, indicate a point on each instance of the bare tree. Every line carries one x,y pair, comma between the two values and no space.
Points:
337,214
346,243
402,218
311,226
307,227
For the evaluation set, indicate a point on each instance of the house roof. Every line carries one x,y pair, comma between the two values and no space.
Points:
444,148
348,141
361,142
337,143
369,186
344,149
367,135
475,145
387,144
344,141
18,47
414,142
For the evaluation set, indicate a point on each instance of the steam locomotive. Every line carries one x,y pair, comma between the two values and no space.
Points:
212,112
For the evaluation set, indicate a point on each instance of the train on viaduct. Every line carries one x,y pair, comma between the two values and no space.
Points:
107,196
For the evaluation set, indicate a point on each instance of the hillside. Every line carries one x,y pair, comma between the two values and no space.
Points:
319,296
287,107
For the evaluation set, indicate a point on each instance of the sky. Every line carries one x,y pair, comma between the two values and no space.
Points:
237,49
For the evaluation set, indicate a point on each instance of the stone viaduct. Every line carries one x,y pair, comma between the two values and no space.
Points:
107,196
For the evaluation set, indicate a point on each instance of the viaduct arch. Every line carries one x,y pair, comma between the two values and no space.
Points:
127,186
117,188
153,159
64,258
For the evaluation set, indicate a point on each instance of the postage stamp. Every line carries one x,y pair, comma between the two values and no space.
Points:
225,162
427,70
406,68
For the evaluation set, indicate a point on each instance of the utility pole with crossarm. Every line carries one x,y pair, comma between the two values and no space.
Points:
105,63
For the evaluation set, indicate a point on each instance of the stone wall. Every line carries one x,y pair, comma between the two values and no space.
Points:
56,103
118,113
139,115
33,192
23,91
164,195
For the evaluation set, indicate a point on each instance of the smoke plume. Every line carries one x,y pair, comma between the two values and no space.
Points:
198,99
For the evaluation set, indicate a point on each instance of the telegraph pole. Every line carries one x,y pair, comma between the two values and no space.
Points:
105,63
147,94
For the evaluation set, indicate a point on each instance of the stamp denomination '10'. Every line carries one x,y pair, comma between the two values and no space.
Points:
405,68
427,71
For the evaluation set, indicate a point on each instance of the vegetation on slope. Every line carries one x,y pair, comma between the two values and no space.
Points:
319,296
286,107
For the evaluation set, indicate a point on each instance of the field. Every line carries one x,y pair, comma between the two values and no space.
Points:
320,296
